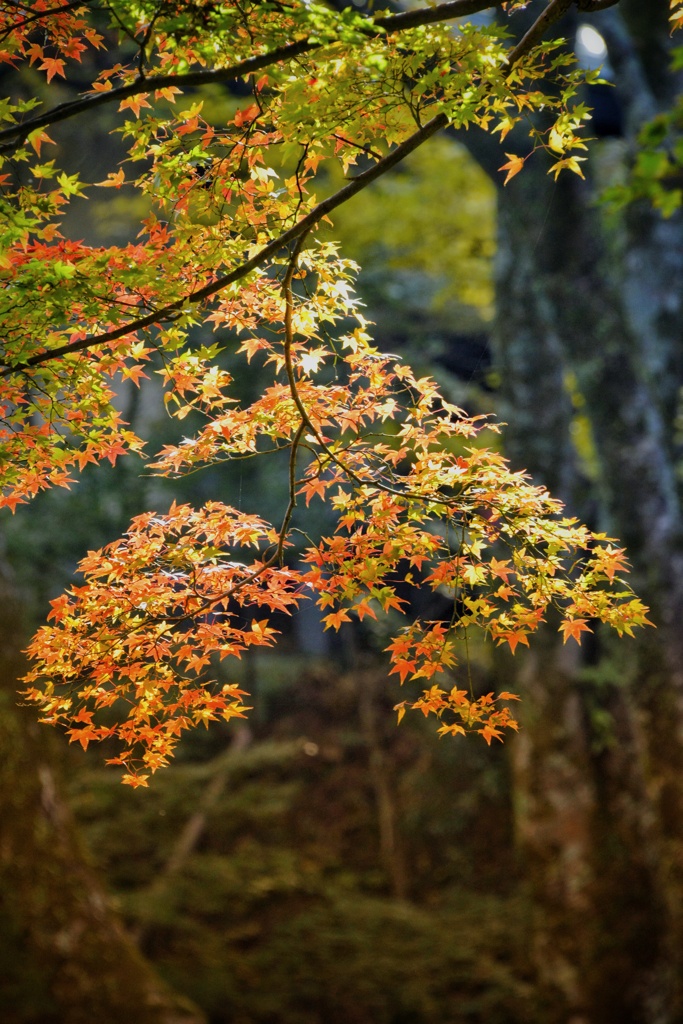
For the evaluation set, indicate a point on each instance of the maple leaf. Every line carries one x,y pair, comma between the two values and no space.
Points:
513,638
188,126
135,103
310,361
513,166
569,163
490,732
505,126
611,560
135,780
251,346
335,619
362,609
112,180
501,570
574,628
316,486
37,138
403,668
169,92
82,735
474,574
53,66
247,115
451,730
73,48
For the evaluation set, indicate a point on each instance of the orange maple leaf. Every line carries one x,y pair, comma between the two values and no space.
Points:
247,116
135,780
513,639
37,138
489,733
134,103
335,619
574,627
501,569
113,180
313,487
513,166
403,668
53,66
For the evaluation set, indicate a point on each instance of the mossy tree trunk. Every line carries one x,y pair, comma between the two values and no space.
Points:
588,345
64,957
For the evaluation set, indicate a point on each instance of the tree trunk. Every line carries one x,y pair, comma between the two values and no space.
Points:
589,330
64,957
391,847
585,818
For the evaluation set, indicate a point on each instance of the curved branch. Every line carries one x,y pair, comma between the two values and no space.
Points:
305,421
294,391
553,12
322,209
17,134
433,15
11,138
40,15
590,6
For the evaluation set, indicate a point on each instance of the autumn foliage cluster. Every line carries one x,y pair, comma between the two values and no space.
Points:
230,243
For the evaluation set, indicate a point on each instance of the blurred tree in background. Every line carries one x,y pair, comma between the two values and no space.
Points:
588,349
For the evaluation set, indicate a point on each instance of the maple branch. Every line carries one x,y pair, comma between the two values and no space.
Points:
39,17
291,505
173,310
289,366
11,138
595,5
18,133
305,422
303,412
321,210
555,10
291,377
434,15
